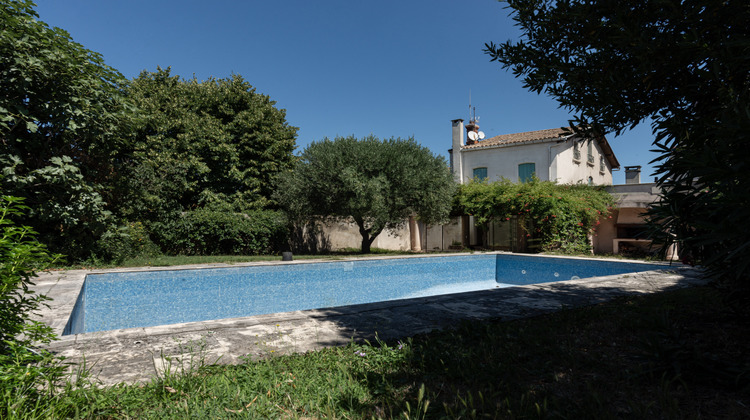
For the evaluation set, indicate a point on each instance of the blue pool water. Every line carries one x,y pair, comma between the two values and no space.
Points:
147,298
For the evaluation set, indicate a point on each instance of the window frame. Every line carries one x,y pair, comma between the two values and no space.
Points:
479,168
531,175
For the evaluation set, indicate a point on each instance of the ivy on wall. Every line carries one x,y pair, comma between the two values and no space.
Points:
561,217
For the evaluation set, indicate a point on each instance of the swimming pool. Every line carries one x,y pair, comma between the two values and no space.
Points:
110,301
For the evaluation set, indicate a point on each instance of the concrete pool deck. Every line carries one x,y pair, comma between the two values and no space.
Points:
139,354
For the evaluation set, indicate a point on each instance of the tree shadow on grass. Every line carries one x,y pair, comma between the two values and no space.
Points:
479,363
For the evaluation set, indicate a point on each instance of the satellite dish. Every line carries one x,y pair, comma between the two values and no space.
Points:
481,135
473,135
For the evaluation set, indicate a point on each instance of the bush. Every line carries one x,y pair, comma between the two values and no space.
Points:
124,242
211,232
26,374
560,216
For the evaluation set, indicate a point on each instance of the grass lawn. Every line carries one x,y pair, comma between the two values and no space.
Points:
171,260
680,354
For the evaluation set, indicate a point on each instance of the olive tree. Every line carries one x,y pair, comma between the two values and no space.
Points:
377,183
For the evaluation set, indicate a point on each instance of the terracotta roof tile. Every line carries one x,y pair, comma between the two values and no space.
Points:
552,133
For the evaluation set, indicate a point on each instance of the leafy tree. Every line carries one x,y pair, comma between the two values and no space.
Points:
379,184
560,216
61,115
215,144
682,64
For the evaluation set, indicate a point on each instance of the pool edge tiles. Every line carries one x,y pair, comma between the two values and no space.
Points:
371,282
77,319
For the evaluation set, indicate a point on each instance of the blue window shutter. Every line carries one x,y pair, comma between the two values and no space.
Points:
480,173
526,171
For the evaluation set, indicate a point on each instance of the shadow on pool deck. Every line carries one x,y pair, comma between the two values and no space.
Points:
139,354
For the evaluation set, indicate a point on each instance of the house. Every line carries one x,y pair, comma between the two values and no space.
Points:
624,230
552,155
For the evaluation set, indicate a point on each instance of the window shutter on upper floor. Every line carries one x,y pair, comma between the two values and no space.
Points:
480,173
526,171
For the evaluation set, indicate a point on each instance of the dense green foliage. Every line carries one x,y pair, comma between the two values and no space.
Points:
560,216
682,64
21,255
379,184
61,114
209,232
215,143
124,242
199,172
101,162
24,371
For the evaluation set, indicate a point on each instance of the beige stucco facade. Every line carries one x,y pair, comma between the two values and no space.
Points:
554,158
333,235
554,161
624,229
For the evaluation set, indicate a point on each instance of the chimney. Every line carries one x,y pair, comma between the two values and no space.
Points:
472,126
632,174
455,152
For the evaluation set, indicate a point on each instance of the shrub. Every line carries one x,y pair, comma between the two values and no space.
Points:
124,242
25,373
211,232
560,216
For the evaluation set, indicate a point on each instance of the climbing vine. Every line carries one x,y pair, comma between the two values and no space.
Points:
561,217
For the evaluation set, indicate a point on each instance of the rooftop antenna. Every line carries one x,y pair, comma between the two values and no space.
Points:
472,111
473,126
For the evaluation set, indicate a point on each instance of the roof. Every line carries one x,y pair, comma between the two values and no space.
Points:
552,133
540,135
635,195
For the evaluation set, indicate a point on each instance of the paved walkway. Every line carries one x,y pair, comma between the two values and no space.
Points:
139,354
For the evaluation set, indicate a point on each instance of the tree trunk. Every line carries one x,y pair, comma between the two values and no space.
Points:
366,242
367,236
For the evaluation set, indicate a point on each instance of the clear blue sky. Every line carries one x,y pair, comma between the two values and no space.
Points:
345,67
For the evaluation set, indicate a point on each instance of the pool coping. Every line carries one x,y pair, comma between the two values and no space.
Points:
139,354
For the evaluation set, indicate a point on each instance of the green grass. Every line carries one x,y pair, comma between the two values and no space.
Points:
171,260
679,354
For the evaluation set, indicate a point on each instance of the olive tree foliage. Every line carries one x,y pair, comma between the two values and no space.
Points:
377,183
212,144
682,65
61,114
